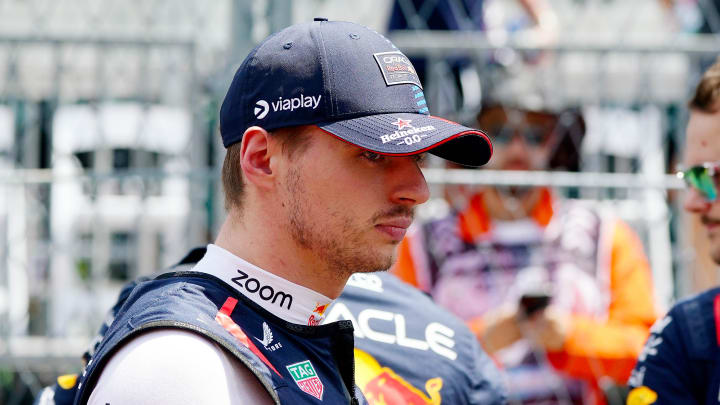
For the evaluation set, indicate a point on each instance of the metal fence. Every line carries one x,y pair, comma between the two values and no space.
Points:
109,150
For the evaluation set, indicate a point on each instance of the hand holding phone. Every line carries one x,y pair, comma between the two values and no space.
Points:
531,303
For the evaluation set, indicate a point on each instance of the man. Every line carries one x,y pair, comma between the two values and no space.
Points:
545,284
324,123
680,361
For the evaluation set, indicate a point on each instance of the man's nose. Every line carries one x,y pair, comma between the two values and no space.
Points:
409,186
695,202
518,146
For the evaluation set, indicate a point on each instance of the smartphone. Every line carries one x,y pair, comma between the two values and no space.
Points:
531,303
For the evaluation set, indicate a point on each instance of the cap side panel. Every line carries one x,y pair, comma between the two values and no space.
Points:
244,85
233,120
230,117
317,36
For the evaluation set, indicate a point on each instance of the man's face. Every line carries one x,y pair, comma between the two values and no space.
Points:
703,145
521,140
347,206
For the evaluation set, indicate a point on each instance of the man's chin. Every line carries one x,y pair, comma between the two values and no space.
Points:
382,263
370,270
715,254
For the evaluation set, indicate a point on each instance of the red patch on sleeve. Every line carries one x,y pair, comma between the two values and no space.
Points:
223,318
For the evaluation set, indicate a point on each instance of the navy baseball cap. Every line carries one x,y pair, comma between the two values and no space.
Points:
352,83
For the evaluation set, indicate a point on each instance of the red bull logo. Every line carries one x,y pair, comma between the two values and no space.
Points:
317,316
382,386
320,309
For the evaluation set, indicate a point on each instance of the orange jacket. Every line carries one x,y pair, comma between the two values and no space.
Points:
595,346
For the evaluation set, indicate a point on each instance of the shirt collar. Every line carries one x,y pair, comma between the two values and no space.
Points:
284,299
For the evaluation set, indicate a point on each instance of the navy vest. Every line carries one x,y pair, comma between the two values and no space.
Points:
680,363
411,351
299,365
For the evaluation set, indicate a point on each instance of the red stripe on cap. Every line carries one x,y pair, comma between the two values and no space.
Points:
444,119
433,146
223,318
716,306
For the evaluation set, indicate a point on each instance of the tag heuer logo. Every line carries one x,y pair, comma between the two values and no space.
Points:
305,377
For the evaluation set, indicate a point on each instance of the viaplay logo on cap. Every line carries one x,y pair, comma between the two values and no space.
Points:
261,109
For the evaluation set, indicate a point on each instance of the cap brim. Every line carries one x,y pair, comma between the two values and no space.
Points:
403,134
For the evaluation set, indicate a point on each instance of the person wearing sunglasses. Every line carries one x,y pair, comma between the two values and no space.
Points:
680,363
552,288
702,178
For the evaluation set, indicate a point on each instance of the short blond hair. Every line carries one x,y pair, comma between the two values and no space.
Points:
294,140
707,93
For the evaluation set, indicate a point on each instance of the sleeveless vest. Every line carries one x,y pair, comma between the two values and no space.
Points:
681,358
296,364
409,350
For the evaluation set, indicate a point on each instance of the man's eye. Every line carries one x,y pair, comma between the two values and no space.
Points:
372,156
420,158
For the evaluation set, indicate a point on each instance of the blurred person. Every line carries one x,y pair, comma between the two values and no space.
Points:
398,331
465,15
539,20
324,125
699,16
540,280
680,363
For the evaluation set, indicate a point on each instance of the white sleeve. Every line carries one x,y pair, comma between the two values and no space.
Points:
171,366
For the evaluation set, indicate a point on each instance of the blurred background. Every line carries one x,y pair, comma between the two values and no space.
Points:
110,152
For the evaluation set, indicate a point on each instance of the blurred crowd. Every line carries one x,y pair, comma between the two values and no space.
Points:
559,293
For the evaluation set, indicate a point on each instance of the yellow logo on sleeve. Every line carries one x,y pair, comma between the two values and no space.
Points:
382,386
67,381
641,396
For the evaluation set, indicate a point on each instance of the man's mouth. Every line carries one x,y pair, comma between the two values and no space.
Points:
395,227
710,223
516,165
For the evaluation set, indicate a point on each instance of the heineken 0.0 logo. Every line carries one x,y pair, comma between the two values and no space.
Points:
305,377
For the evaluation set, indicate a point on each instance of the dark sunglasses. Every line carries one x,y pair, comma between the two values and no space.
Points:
533,136
703,178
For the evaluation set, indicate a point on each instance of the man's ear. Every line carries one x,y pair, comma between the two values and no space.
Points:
256,151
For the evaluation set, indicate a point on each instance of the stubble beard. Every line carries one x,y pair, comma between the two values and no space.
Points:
343,249
713,237
715,255
715,249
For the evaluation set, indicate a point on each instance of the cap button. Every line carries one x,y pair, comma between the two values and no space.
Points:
320,19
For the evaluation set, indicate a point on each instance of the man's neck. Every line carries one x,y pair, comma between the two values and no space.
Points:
266,243
507,207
